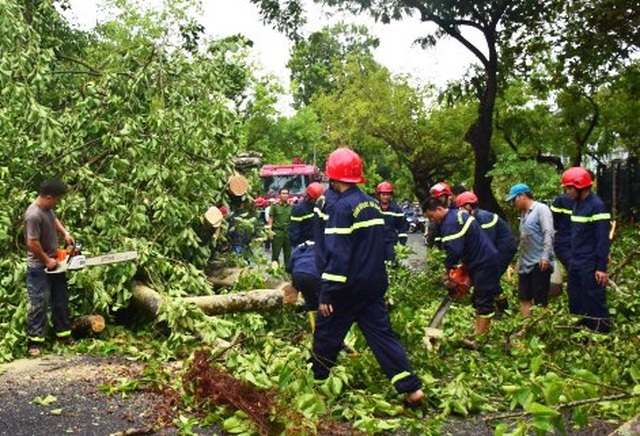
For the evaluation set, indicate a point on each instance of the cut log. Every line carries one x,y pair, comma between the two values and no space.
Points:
146,300
257,299
149,301
86,325
291,294
238,185
629,428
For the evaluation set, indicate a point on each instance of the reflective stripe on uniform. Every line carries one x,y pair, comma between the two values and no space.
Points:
36,339
368,223
302,218
355,226
561,210
402,235
393,213
490,223
460,233
400,376
63,334
589,219
334,278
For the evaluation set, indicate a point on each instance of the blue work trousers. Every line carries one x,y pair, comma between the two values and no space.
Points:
588,299
373,319
44,290
486,287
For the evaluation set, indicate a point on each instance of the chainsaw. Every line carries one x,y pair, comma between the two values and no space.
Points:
70,258
458,284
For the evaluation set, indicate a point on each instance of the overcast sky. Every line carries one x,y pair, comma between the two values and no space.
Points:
449,60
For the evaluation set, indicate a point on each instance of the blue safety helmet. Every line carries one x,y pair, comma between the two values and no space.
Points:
516,190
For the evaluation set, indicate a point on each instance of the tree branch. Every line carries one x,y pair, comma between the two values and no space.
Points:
91,73
624,263
566,405
80,62
448,26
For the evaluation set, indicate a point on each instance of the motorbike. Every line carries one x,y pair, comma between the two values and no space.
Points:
413,220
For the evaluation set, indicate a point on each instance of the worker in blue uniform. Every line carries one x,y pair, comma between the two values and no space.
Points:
354,280
562,209
302,215
443,193
466,243
589,252
395,223
499,233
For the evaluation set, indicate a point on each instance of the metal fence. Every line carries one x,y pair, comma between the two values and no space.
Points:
619,187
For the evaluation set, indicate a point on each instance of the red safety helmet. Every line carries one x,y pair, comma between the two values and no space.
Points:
344,165
384,187
440,189
315,190
466,197
577,177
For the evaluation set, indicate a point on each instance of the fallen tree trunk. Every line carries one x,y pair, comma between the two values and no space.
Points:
225,278
631,427
86,325
149,301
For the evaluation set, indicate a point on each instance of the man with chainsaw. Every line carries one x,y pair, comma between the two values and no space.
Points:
395,224
466,243
443,193
590,252
499,233
354,280
302,215
536,249
41,234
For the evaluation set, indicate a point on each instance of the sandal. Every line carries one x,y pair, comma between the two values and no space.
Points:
33,350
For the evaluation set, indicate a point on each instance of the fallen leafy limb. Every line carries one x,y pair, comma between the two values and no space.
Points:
568,405
624,263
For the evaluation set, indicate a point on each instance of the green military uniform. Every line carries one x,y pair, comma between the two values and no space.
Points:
280,215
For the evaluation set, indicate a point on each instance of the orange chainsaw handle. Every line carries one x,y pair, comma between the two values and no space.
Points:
63,253
458,282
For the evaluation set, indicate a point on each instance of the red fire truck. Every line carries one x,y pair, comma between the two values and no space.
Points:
294,177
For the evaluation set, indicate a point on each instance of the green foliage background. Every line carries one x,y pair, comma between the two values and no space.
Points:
140,119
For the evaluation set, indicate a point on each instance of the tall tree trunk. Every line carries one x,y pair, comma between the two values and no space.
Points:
479,136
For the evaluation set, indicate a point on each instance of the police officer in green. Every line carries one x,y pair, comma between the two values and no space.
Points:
279,217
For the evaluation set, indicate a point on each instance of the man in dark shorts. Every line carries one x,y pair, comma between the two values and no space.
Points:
536,249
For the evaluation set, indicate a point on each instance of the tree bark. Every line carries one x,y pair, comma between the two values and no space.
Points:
149,301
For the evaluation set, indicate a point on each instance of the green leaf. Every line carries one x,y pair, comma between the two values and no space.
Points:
538,409
634,371
44,401
536,362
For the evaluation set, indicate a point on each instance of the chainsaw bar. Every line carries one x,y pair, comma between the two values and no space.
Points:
437,317
79,261
107,259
